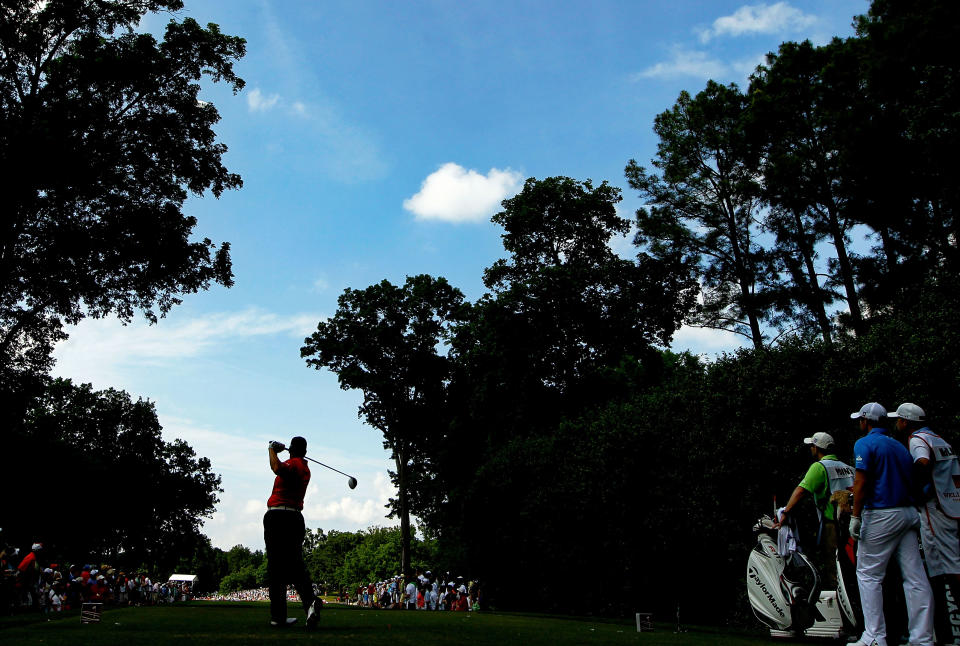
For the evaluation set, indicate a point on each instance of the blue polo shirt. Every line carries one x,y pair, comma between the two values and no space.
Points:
889,470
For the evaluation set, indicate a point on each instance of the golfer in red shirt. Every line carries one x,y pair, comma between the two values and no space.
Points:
283,531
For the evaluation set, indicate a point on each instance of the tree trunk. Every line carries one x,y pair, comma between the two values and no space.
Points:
751,314
816,301
400,458
846,271
745,275
889,255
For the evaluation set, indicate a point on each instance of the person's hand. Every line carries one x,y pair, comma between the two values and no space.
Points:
779,521
278,446
855,523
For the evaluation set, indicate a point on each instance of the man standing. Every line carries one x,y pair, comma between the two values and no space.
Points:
825,476
283,532
886,523
410,596
938,473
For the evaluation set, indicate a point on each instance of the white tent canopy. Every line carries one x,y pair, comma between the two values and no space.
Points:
189,578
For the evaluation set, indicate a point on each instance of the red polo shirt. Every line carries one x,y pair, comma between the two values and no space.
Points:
290,485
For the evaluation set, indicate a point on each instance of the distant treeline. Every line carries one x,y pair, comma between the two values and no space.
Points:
338,562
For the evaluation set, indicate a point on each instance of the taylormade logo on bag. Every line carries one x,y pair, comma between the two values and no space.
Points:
752,575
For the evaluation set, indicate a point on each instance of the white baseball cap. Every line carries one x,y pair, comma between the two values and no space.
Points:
910,412
873,411
821,440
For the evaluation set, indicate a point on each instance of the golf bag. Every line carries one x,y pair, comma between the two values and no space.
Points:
785,591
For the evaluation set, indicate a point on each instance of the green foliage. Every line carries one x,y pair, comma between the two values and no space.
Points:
704,206
243,579
328,554
113,119
204,560
76,436
385,341
805,116
342,561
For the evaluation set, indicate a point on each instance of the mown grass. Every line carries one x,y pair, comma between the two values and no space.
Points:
215,624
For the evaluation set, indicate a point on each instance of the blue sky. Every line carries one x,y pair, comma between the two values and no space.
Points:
375,140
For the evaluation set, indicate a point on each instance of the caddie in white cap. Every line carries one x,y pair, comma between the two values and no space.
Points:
886,524
826,475
938,472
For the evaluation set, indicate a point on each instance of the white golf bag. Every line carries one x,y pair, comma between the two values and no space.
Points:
785,591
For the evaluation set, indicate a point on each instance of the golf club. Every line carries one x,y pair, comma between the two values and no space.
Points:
352,482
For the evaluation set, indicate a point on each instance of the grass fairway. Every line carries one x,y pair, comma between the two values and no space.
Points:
213,624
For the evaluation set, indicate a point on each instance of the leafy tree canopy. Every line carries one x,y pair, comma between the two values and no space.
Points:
704,206
102,138
384,341
98,458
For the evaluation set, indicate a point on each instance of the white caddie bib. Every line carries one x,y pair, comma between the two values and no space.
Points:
839,474
946,472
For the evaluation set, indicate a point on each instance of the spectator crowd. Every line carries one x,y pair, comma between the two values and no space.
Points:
426,591
423,592
29,584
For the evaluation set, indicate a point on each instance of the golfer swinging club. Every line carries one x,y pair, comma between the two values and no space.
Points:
283,532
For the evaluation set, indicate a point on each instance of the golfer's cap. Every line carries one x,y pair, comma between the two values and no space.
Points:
36,546
873,411
821,440
910,412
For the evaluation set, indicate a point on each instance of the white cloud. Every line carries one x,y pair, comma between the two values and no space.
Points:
323,506
759,19
747,66
455,194
241,461
328,140
686,63
321,284
706,341
97,348
257,101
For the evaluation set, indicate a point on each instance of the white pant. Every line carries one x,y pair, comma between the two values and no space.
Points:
941,549
886,532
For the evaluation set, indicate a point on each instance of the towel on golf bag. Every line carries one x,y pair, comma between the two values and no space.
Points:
788,537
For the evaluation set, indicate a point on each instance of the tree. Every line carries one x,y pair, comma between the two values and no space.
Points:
805,112
82,449
566,319
583,306
384,341
703,211
906,149
102,138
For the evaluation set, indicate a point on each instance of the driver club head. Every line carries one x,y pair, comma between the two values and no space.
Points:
352,483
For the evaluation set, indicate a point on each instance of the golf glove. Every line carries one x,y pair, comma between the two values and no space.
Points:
855,523
277,446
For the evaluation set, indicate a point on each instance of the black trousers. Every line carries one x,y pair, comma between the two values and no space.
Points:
283,532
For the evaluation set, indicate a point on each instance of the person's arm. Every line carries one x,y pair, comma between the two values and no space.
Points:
795,499
274,460
860,482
